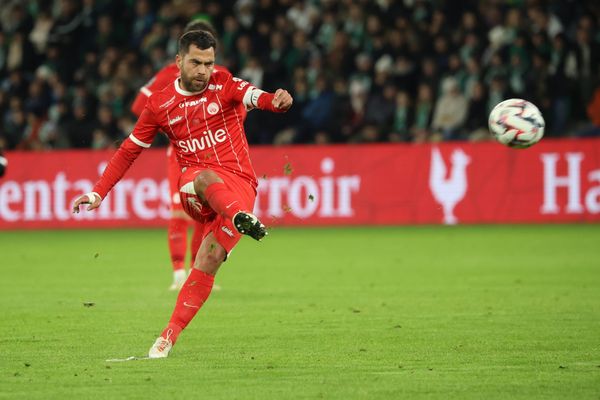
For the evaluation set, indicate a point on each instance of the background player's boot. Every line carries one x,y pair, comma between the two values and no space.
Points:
247,224
179,277
160,348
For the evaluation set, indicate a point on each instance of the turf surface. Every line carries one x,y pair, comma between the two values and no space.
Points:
468,312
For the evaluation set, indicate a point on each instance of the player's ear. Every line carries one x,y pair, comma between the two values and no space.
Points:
178,61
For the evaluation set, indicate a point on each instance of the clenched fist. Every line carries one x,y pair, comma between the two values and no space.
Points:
282,100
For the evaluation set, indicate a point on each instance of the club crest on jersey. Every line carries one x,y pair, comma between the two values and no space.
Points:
212,108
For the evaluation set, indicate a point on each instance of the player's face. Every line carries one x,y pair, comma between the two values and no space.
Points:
196,66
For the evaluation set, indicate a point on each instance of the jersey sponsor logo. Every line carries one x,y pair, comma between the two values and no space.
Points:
212,108
227,231
175,120
206,141
212,86
192,103
168,102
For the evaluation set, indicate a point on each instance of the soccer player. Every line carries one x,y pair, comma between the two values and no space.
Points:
179,220
198,113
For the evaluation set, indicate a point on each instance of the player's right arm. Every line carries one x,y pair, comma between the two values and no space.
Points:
141,138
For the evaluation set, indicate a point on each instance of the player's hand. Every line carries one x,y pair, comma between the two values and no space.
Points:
93,199
282,100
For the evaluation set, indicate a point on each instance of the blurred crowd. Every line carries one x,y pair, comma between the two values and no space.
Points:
359,70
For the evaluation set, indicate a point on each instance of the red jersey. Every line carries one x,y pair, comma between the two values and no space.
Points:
205,128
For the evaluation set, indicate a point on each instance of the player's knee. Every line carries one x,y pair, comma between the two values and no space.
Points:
203,180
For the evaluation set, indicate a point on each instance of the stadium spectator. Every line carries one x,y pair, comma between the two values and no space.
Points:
545,52
450,111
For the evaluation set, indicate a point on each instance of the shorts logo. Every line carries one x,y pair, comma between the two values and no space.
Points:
212,108
194,204
227,231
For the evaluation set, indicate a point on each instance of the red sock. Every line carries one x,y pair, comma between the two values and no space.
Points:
196,241
177,232
222,200
192,296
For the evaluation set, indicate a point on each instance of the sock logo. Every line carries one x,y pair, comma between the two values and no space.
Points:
227,231
190,305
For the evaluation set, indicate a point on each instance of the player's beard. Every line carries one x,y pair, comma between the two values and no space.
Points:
193,84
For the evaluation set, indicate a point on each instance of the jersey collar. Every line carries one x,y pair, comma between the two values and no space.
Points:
182,92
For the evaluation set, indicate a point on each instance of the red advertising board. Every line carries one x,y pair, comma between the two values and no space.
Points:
449,183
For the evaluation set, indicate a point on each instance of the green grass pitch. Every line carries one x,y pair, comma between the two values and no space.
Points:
467,312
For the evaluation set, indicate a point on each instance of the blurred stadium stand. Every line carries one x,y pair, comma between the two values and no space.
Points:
360,71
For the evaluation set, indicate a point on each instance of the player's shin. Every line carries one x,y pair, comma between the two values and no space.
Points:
196,242
192,296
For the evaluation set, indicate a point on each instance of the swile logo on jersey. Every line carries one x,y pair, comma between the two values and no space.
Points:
207,140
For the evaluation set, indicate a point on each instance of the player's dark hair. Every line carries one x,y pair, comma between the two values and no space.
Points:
201,39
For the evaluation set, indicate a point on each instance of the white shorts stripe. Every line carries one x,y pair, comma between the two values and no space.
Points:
188,188
139,142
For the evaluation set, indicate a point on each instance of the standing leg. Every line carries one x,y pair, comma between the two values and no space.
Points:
192,296
195,246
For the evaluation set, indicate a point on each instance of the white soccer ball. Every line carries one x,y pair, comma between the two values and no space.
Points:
516,123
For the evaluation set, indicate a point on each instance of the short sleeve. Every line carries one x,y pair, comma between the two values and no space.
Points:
146,127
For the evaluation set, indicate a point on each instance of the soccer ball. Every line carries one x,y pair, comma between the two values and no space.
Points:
516,123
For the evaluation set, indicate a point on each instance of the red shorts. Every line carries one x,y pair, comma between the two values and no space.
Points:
221,227
173,175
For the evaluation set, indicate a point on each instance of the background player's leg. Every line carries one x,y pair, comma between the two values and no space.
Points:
177,238
193,294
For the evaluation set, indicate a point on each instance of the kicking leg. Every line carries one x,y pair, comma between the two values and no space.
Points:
211,189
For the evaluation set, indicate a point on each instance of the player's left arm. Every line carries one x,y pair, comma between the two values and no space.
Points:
253,97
